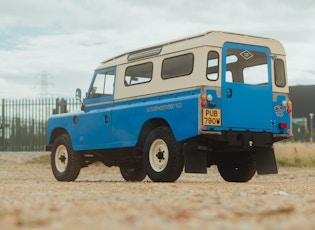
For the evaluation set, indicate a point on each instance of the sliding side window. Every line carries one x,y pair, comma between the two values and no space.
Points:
177,66
138,74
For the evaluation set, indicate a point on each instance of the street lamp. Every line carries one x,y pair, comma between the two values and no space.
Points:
311,128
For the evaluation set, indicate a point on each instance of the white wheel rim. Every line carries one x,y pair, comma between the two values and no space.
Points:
158,155
61,158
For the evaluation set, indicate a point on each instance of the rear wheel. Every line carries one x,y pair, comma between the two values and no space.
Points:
65,162
133,172
162,158
240,169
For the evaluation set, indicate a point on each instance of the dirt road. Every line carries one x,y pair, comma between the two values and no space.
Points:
30,198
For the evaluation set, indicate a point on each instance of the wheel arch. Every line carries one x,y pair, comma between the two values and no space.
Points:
148,126
55,133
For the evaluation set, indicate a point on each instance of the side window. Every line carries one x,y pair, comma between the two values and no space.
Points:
103,85
279,73
213,66
138,74
177,66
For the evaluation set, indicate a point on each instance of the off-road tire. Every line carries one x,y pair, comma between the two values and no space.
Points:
240,169
65,162
162,156
133,172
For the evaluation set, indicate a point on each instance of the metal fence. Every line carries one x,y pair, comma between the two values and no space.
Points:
23,122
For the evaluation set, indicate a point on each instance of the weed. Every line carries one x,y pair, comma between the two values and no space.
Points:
295,154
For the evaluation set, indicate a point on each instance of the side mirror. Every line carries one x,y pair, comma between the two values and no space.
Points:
78,97
78,94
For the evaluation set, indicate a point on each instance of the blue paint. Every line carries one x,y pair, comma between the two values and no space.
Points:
125,120
246,106
280,115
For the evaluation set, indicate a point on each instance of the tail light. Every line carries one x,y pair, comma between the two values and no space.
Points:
206,99
203,98
283,125
289,110
288,104
289,107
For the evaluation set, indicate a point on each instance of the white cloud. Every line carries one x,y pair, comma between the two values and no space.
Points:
68,38
3,83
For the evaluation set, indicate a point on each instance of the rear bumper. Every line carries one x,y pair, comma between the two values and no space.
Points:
245,138
248,139
281,137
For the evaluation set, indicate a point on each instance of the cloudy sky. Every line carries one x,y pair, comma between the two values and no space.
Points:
52,46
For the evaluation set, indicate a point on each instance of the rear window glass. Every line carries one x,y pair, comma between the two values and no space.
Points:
279,73
247,67
177,66
213,66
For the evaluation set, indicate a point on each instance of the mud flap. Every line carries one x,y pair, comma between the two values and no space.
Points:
266,161
195,160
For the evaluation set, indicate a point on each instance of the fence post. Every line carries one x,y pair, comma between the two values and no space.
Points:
23,122
61,106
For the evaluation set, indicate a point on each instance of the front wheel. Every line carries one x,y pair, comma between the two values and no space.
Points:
65,162
162,156
237,169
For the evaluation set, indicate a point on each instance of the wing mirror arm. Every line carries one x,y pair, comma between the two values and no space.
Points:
78,96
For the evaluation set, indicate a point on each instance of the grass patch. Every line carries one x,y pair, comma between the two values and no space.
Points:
295,154
40,159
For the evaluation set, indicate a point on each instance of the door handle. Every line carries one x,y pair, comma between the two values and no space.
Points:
229,93
106,119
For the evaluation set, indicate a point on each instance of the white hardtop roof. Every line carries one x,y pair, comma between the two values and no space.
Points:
211,39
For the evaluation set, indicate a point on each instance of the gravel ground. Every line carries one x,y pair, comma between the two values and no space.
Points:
30,198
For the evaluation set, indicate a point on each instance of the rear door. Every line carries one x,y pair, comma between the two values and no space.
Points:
246,88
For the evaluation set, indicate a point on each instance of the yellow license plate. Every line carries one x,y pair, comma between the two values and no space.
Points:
211,117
